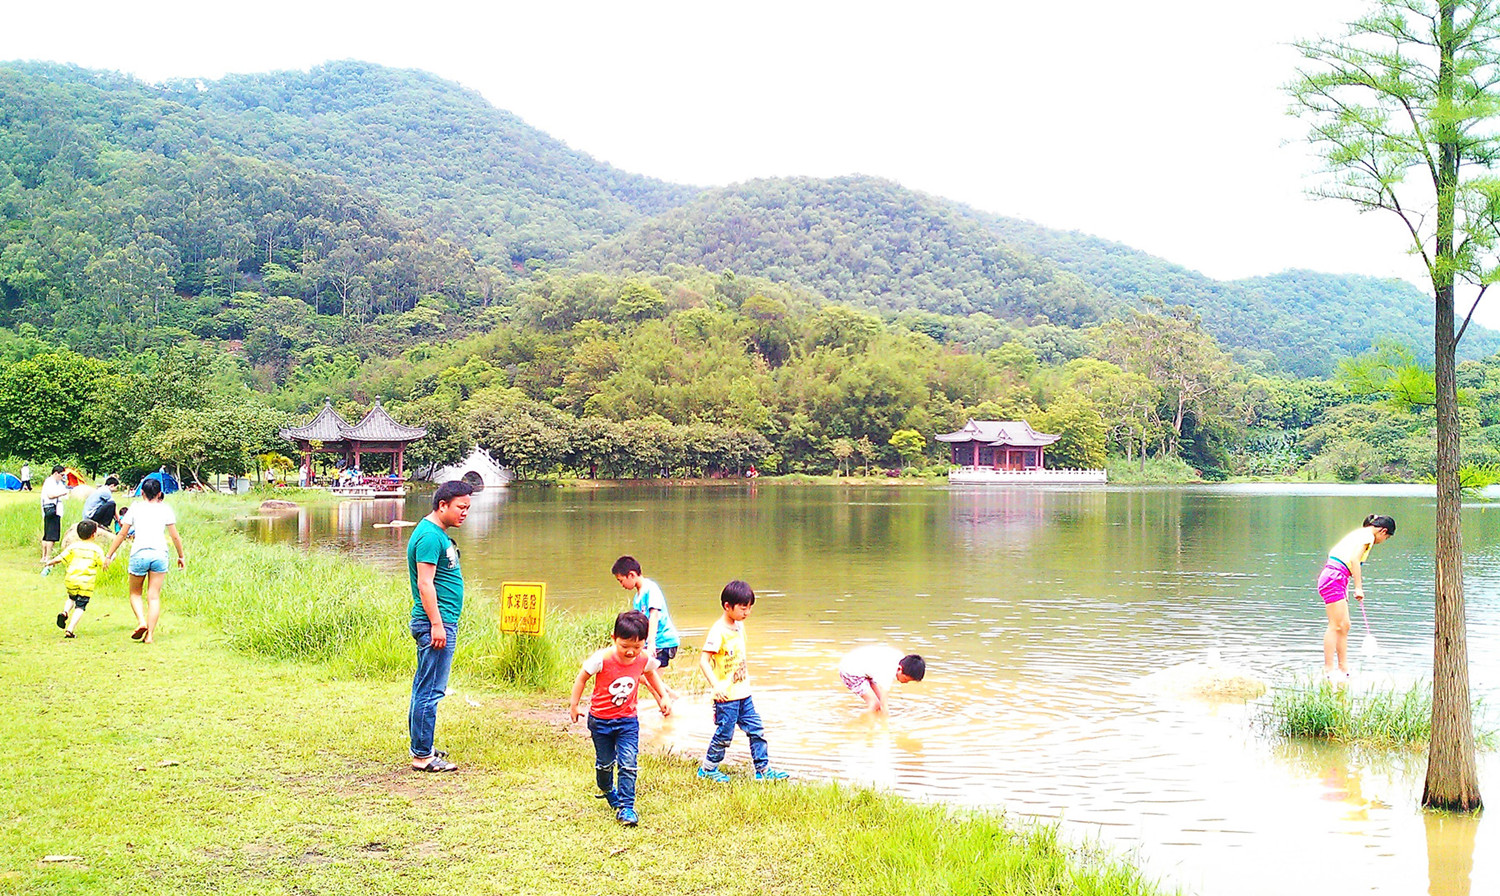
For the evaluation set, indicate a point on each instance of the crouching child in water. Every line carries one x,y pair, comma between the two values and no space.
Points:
870,671
613,725
85,559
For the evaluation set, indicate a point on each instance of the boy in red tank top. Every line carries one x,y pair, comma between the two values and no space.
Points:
613,726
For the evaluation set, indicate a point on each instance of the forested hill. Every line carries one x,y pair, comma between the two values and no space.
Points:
436,152
1305,319
361,204
858,240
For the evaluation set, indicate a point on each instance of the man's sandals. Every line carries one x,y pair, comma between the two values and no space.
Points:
438,763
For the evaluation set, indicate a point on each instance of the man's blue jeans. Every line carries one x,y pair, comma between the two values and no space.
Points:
726,716
428,684
616,742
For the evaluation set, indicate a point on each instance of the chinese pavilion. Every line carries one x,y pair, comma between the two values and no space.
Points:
375,433
998,444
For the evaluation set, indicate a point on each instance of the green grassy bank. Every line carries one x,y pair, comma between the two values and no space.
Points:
259,747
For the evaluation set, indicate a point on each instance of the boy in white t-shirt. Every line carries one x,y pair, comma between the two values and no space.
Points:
871,670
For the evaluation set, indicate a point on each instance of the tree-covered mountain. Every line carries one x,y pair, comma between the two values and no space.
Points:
364,205
435,151
1300,321
126,226
857,240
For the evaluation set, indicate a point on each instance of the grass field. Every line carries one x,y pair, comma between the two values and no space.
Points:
247,752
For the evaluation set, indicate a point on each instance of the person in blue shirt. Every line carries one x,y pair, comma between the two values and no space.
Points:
437,592
661,635
100,506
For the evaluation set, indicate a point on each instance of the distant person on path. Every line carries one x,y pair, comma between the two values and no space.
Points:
26,477
661,636
101,507
616,732
151,521
54,494
85,559
724,665
437,591
1343,568
870,671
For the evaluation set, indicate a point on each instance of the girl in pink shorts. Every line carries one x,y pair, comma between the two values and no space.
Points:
1343,567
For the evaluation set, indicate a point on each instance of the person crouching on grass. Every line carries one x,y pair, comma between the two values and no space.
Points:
613,725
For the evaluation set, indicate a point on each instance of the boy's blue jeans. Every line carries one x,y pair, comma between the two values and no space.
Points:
726,716
616,742
428,684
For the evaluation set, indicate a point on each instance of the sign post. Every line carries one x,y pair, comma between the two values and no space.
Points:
522,607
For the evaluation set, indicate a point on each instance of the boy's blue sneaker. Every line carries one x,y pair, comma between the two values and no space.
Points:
771,774
713,775
627,817
609,797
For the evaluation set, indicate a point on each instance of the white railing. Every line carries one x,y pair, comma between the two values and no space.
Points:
992,475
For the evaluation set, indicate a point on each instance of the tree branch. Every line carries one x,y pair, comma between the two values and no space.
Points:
1459,338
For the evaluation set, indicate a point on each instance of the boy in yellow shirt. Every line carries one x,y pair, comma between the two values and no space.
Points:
723,664
85,559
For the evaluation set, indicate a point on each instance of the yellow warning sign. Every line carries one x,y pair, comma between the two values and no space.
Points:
522,606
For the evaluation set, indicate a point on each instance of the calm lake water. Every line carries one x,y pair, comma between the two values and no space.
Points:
1043,615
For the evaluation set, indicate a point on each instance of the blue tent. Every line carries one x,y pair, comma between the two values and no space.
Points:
9,483
167,480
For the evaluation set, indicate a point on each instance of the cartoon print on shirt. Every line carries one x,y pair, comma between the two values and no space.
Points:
620,689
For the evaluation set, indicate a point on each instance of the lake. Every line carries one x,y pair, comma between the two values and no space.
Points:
1045,616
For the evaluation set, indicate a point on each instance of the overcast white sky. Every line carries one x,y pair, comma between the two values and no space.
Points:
1160,124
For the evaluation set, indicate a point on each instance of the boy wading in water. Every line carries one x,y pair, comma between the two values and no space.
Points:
724,665
1342,568
870,671
661,635
613,725
437,593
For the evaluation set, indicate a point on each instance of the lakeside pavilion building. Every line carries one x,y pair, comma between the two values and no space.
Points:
998,445
375,433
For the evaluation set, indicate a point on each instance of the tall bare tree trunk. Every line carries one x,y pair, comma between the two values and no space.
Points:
1452,777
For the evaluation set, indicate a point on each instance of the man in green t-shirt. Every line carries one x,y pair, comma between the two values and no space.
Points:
437,594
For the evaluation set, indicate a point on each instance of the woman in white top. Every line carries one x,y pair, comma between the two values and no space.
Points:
151,521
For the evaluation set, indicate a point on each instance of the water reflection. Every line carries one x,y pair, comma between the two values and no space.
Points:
1450,853
1044,615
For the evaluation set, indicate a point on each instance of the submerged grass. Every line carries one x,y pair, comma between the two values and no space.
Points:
1319,709
269,769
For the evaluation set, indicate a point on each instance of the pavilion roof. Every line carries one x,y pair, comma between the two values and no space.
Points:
328,426
1015,433
378,426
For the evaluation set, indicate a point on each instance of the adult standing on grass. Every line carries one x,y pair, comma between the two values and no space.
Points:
26,476
54,493
152,521
437,592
